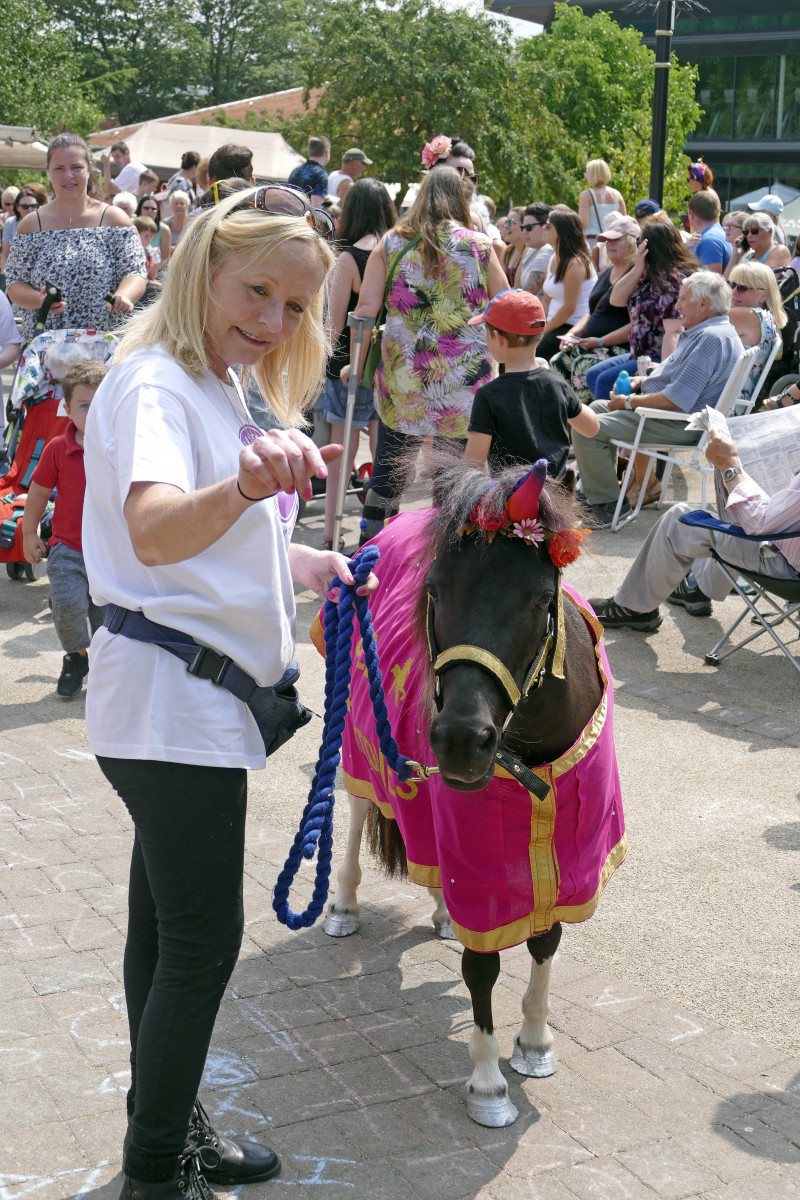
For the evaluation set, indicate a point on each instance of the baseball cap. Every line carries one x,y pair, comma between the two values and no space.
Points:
355,153
769,203
514,311
620,227
647,207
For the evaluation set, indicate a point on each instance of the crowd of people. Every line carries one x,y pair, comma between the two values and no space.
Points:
536,334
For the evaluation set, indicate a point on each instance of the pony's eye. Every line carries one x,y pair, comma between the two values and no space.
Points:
544,599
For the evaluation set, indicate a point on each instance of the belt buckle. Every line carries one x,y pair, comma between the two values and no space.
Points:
197,664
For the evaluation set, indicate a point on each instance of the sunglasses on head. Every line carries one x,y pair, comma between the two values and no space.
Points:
281,201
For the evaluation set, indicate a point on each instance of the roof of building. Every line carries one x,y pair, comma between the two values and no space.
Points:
287,102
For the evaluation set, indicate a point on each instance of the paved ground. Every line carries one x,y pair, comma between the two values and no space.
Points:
675,1008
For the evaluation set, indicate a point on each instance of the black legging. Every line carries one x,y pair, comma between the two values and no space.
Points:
185,923
391,470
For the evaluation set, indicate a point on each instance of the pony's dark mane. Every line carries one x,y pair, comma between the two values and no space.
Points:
459,488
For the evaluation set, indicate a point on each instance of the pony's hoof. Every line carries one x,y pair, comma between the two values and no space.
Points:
493,1111
341,924
444,930
537,1063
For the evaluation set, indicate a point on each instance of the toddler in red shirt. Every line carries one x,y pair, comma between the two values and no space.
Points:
75,616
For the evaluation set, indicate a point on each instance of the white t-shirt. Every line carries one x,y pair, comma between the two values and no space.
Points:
334,179
9,334
128,178
151,421
555,292
534,262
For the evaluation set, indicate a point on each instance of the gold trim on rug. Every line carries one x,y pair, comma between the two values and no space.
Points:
519,931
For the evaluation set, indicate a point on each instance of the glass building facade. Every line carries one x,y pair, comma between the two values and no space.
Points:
749,83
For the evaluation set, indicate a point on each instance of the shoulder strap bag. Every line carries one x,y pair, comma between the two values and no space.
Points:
374,353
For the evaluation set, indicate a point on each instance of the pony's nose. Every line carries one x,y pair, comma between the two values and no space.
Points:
464,750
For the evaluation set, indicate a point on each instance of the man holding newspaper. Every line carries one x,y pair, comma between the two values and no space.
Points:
675,562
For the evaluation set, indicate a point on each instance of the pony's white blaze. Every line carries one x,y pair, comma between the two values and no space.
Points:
488,1102
533,1045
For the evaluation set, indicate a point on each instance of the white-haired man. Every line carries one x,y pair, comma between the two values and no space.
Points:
692,377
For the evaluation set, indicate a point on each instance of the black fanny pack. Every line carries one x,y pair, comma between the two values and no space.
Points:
277,709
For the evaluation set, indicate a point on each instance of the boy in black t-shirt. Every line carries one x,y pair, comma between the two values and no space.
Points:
524,414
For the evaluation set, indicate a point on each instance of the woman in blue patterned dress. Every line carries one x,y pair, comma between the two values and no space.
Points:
87,248
433,361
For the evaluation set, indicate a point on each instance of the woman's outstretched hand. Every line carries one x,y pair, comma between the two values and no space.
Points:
283,460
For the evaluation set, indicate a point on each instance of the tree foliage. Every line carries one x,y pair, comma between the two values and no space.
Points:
588,87
401,71
39,80
147,58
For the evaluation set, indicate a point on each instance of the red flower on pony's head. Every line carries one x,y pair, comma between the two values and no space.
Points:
565,546
486,521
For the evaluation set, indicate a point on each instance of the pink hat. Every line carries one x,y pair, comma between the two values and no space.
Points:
620,227
514,311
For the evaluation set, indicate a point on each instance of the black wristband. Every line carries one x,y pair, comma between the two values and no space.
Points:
252,499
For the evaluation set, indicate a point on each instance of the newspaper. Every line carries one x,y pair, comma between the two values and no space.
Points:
768,444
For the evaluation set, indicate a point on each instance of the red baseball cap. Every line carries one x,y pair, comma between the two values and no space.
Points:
514,311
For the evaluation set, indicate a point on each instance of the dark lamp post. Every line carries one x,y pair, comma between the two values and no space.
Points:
665,13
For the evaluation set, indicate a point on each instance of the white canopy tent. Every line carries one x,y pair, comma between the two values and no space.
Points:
160,144
20,149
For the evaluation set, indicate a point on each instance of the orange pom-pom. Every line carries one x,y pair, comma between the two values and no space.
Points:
565,546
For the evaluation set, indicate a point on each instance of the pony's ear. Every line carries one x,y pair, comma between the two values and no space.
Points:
569,481
524,499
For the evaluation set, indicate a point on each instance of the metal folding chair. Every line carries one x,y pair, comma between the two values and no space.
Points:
765,591
668,452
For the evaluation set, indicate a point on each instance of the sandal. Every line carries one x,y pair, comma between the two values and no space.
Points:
328,545
651,496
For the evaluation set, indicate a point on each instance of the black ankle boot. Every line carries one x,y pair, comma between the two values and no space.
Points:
238,1162
188,1184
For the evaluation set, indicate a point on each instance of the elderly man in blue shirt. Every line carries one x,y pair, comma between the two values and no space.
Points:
692,377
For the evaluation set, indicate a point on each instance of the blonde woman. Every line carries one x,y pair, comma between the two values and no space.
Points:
186,536
756,314
597,201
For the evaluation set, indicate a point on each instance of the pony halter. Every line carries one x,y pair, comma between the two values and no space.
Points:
519,518
549,656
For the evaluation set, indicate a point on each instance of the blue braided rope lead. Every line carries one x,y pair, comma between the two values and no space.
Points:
315,833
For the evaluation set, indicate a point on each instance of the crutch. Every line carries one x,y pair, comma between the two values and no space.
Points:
361,325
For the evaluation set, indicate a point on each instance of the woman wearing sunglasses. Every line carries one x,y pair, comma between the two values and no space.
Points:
148,206
763,246
516,246
756,314
25,201
188,518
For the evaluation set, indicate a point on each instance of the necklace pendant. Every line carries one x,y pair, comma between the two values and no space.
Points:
249,433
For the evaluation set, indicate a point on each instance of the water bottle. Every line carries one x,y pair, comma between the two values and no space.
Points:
623,386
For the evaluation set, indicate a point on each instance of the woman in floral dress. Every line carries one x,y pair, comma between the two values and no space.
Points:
433,361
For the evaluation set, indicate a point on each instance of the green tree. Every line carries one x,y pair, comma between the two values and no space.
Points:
138,56
39,81
147,58
588,85
401,71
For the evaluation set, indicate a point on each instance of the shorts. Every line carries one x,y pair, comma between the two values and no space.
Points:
334,404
